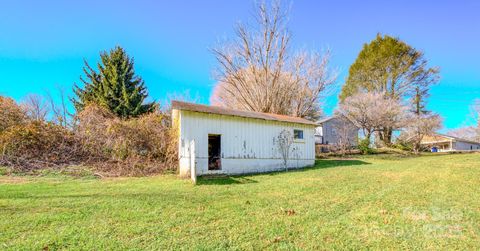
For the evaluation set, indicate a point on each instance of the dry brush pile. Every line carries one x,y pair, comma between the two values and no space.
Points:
109,145
138,146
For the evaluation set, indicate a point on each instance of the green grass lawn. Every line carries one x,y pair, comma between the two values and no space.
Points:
374,202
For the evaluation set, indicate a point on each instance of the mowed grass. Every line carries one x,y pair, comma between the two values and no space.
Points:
430,202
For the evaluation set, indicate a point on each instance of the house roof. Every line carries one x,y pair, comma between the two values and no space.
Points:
451,138
179,105
458,139
325,120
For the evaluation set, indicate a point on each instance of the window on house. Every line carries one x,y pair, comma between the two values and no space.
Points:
297,134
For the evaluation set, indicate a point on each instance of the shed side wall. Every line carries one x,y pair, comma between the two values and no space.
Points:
247,145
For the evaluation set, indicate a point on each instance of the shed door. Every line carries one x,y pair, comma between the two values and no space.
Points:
214,152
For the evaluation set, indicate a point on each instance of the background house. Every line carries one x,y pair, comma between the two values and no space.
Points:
334,131
216,140
445,143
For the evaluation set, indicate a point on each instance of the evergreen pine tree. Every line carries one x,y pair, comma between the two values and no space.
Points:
115,86
419,101
390,66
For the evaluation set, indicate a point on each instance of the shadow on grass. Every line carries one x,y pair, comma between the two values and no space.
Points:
244,179
224,180
329,163
326,163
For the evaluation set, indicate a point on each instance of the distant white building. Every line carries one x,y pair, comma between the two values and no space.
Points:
333,130
216,140
446,143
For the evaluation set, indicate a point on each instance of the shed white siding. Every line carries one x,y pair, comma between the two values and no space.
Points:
248,145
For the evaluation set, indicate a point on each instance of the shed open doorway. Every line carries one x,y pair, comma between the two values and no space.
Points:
214,152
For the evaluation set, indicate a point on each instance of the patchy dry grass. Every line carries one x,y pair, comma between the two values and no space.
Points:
429,202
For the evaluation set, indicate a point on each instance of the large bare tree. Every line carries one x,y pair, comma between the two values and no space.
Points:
258,72
373,112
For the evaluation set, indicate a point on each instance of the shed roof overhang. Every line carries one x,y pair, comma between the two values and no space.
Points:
185,106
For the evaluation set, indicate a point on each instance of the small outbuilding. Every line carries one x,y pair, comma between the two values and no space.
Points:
217,140
445,143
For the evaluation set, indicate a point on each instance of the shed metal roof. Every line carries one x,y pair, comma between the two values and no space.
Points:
185,106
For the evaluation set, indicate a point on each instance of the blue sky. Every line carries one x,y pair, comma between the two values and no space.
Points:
43,43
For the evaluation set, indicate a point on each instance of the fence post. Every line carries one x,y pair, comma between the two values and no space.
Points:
193,166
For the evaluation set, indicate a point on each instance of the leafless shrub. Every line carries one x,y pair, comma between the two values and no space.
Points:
35,107
59,108
284,143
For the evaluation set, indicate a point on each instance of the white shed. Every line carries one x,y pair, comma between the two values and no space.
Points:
216,140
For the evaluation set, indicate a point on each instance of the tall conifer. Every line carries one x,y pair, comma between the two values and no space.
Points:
114,86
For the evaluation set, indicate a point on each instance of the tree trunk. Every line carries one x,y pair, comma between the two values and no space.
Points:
387,136
416,148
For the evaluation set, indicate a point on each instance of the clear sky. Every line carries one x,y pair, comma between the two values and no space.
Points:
43,43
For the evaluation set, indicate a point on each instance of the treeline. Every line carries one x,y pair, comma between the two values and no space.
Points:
113,130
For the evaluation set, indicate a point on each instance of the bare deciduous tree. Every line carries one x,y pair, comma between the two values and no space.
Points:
343,132
257,71
470,132
35,107
476,111
284,142
61,114
185,96
372,112
418,126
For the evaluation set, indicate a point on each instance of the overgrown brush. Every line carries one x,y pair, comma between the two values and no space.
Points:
10,113
136,146
36,144
112,146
